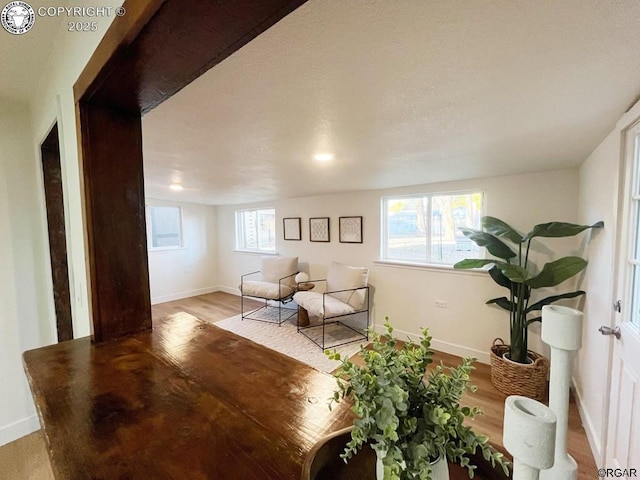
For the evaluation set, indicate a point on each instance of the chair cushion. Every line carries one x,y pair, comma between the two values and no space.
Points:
343,277
312,303
265,290
275,268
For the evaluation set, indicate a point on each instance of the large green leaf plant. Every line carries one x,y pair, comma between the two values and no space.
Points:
517,274
408,416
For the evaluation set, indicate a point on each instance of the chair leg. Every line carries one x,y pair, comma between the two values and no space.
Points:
366,330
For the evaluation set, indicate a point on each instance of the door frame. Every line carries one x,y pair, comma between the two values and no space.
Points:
57,241
620,286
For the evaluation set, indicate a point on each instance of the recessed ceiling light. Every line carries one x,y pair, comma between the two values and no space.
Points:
176,187
323,157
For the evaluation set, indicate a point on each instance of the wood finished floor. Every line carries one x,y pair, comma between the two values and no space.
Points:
210,307
217,306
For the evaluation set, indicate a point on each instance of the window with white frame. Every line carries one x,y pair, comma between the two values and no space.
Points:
425,228
256,230
164,227
633,209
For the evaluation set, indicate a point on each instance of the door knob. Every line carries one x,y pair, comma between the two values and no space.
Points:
610,331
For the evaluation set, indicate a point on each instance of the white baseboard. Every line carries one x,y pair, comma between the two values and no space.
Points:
460,351
181,295
219,288
441,346
230,290
16,430
587,423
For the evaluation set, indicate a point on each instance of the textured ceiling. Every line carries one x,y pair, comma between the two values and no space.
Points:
401,92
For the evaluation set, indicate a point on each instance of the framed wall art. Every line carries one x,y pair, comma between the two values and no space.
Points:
319,230
292,230
350,229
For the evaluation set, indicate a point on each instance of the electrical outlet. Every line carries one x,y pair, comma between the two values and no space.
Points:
441,304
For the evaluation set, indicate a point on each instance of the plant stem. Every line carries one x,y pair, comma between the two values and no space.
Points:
525,327
512,312
515,350
517,336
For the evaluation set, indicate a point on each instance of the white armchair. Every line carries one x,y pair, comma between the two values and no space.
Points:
273,284
341,314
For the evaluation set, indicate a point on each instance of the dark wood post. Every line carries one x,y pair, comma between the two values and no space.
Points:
116,232
147,55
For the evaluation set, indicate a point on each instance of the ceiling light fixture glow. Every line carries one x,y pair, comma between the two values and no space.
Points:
323,157
176,187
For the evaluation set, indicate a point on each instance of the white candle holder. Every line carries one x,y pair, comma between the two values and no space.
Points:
529,436
562,331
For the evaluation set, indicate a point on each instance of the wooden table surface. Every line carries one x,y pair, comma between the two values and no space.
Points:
186,400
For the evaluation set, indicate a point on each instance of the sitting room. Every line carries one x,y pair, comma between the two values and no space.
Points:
282,178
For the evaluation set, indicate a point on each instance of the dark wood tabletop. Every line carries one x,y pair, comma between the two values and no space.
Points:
186,400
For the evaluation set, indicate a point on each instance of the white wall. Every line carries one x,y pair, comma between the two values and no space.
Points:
27,319
52,102
25,304
599,189
407,295
192,269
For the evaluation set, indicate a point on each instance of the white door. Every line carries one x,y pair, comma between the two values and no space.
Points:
623,442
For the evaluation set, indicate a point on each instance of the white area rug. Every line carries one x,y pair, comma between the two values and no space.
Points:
286,340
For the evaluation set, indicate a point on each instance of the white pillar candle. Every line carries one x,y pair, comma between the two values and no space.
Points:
562,331
529,436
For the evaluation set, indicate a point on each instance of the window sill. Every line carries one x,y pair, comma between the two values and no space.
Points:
256,252
166,249
435,267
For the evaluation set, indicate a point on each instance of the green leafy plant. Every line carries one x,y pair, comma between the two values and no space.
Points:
517,274
408,416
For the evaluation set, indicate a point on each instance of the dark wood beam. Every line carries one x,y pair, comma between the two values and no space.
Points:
114,46
116,233
182,40
147,55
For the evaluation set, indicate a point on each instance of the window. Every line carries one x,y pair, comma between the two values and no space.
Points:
164,227
633,199
425,228
256,230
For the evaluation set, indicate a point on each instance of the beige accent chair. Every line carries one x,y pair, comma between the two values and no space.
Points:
340,315
274,284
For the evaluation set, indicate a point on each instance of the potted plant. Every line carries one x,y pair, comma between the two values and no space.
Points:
412,419
520,277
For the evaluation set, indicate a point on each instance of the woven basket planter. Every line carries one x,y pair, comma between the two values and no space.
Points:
511,378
